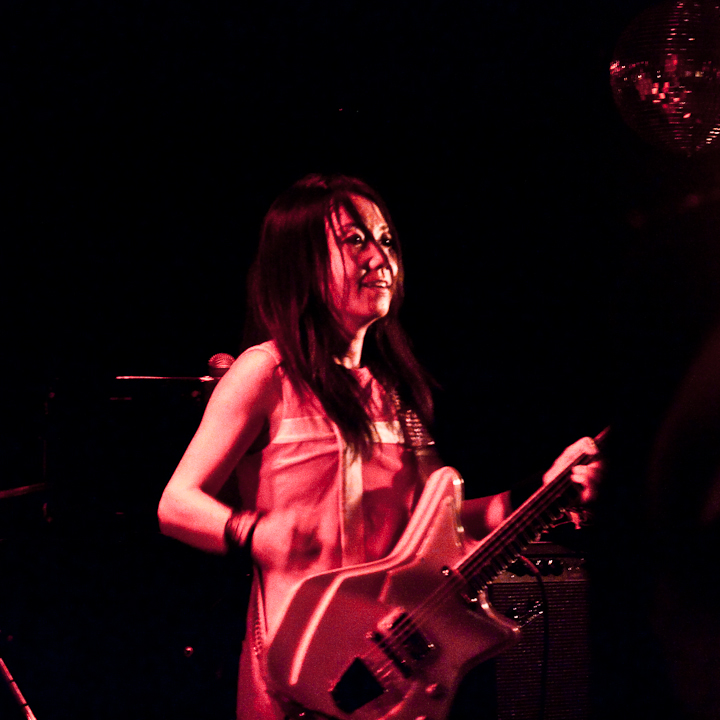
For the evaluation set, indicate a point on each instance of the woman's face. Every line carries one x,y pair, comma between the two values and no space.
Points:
363,265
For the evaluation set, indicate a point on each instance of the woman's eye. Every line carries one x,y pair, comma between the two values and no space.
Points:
386,241
355,239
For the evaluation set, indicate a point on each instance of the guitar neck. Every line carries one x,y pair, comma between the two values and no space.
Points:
540,511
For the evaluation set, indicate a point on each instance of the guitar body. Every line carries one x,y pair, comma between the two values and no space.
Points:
392,638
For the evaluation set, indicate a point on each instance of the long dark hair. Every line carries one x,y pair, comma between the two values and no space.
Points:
288,287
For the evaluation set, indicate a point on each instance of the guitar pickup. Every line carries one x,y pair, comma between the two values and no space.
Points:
417,646
402,641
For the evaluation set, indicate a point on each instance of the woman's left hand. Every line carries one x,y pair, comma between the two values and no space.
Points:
588,475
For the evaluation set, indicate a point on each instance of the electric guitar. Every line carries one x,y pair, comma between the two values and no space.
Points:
392,639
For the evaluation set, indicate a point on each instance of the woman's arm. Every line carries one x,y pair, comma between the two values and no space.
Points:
481,516
238,410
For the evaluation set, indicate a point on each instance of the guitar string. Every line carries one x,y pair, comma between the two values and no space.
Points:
397,638
497,546
480,566
409,625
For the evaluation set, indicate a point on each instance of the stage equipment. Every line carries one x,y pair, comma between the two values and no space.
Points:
665,75
547,674
219,364
115,442
20,702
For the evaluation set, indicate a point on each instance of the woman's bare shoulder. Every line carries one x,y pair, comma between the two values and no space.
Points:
252,379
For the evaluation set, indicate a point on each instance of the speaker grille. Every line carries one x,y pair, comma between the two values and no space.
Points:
521,689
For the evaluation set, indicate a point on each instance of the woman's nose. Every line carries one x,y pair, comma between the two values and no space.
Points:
378,256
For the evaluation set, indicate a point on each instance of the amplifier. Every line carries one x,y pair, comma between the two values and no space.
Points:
546,676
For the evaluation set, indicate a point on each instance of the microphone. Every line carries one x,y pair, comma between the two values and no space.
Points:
219,364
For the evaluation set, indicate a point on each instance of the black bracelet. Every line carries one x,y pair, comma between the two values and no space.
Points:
520,492
239,529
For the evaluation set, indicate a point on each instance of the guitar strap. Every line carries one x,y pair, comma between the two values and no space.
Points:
417,437
406,430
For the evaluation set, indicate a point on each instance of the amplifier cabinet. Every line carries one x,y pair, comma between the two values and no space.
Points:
546,676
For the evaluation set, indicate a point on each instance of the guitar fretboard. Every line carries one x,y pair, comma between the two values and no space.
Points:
539,512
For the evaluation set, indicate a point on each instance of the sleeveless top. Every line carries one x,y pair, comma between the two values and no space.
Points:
335,510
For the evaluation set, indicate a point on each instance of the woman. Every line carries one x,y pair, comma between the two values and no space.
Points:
323,423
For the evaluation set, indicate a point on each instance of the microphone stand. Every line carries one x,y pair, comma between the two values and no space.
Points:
15,690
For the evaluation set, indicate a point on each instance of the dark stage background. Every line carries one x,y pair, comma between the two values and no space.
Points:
560,275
